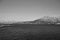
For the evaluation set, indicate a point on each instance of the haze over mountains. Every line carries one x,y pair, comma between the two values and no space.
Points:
43,20
26,10
47,19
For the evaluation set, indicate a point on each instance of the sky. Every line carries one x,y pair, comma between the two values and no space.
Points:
28,10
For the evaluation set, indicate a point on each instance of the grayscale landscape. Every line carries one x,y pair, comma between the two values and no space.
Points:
31,30
29,19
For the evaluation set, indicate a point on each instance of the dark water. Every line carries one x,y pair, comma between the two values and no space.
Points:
30,32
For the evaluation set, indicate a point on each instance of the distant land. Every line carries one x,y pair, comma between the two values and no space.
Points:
43,20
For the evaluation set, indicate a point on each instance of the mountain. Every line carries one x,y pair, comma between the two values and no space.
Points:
48,20
43,20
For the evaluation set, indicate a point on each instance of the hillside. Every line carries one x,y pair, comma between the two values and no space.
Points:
43,20
48,20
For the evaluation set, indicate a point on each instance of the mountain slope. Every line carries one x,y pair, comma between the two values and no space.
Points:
43,20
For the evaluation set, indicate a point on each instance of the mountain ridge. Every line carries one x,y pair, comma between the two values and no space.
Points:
43,20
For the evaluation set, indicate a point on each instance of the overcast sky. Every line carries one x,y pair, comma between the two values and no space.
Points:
25,10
